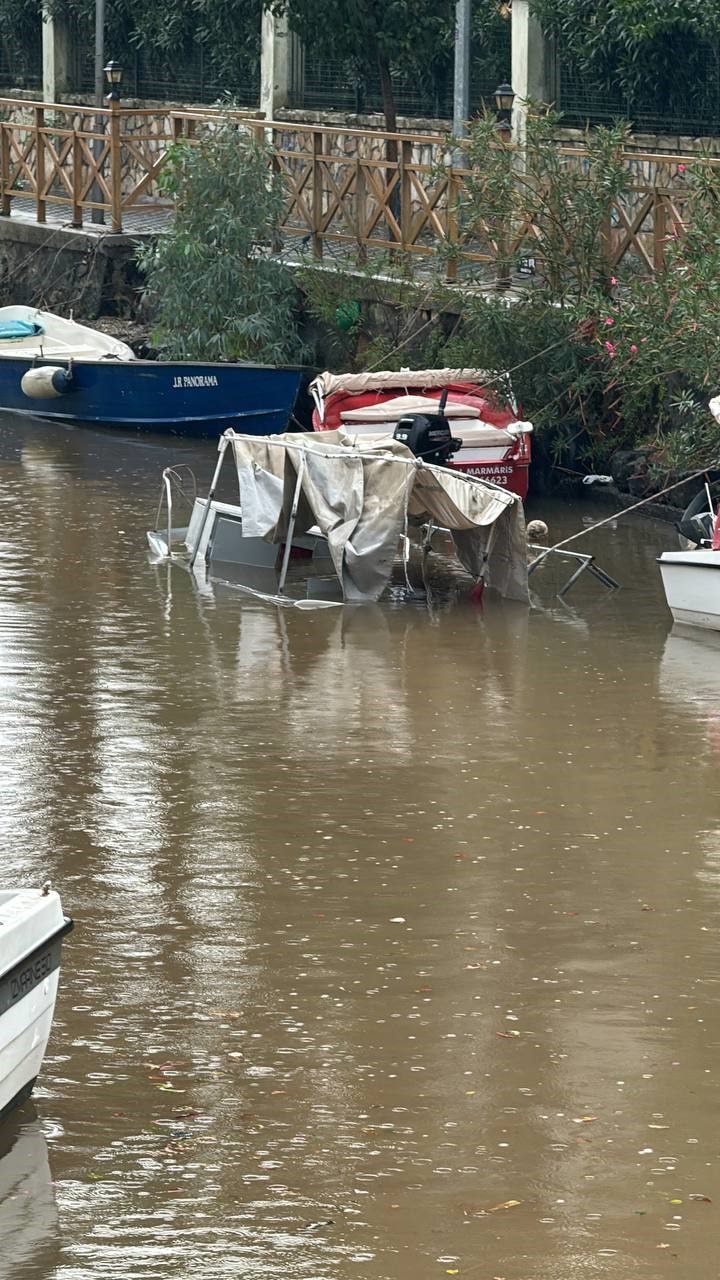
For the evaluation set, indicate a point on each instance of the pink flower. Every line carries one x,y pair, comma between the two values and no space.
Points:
609,320
633,348
681,168
613,279
610,348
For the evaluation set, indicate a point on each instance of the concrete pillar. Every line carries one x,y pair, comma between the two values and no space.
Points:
532,77
55,56
461,82
281,64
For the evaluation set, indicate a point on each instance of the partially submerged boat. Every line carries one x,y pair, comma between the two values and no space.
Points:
493,442
51,367
32,926
346,510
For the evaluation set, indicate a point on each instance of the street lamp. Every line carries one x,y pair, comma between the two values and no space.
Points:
113,75
504,98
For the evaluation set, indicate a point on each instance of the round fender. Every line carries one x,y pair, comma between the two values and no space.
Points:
46,383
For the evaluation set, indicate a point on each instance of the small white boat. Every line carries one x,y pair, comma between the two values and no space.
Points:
691,576
32,926
692,586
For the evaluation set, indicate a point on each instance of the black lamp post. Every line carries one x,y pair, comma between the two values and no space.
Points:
504,98
113,75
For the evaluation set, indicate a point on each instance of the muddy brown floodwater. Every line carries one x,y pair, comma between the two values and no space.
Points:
396,951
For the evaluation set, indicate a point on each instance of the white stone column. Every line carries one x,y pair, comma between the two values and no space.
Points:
531,65
55,56
280,63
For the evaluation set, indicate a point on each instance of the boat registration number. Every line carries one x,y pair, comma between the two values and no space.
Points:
30,976
499,474
194,380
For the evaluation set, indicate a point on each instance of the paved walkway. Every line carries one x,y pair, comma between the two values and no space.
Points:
147,220
143,220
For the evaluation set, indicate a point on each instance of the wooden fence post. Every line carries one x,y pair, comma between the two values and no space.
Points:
659,230
453,195
606,247
360,206
317,194
40,202
77,211
405,193
115,168
5,168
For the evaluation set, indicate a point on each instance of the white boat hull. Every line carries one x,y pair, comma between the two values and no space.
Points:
24,1035
692,587
31,928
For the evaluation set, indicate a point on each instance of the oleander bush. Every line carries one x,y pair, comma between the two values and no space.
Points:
215,288
601,362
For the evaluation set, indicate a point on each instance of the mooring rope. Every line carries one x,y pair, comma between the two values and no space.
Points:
653,497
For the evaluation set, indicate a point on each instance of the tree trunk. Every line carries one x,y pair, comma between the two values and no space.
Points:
390,111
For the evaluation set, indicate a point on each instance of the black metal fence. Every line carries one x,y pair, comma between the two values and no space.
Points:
337,87
21,60
190,79
688,105
194,77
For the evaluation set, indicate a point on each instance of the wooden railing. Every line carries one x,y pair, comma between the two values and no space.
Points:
88,160
343,193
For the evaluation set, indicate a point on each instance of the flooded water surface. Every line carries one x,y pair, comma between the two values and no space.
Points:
396,951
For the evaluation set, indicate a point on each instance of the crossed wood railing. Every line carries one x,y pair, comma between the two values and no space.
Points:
344,196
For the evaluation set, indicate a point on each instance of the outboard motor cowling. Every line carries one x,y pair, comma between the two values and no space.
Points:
696,526
428,436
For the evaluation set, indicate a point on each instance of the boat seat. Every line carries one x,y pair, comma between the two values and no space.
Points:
391,410
474,435
477,434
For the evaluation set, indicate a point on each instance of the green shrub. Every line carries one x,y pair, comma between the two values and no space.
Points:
215,290
659,337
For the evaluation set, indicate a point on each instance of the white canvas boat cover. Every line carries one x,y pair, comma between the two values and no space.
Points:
358,383
52,337
361,499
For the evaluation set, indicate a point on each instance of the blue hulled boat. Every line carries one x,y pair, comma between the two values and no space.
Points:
55,368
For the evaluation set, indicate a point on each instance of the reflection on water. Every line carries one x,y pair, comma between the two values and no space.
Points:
396,946
29,1234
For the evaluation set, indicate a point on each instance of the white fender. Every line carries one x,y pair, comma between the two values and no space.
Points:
46,382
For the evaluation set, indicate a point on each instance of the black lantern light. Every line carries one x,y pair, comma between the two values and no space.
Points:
113,74
504,98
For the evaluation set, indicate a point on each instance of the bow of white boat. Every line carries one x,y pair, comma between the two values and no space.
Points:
32,926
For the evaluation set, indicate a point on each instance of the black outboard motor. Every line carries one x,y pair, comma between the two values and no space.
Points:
696,526
428,436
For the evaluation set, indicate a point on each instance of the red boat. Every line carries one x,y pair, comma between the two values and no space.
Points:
495,443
